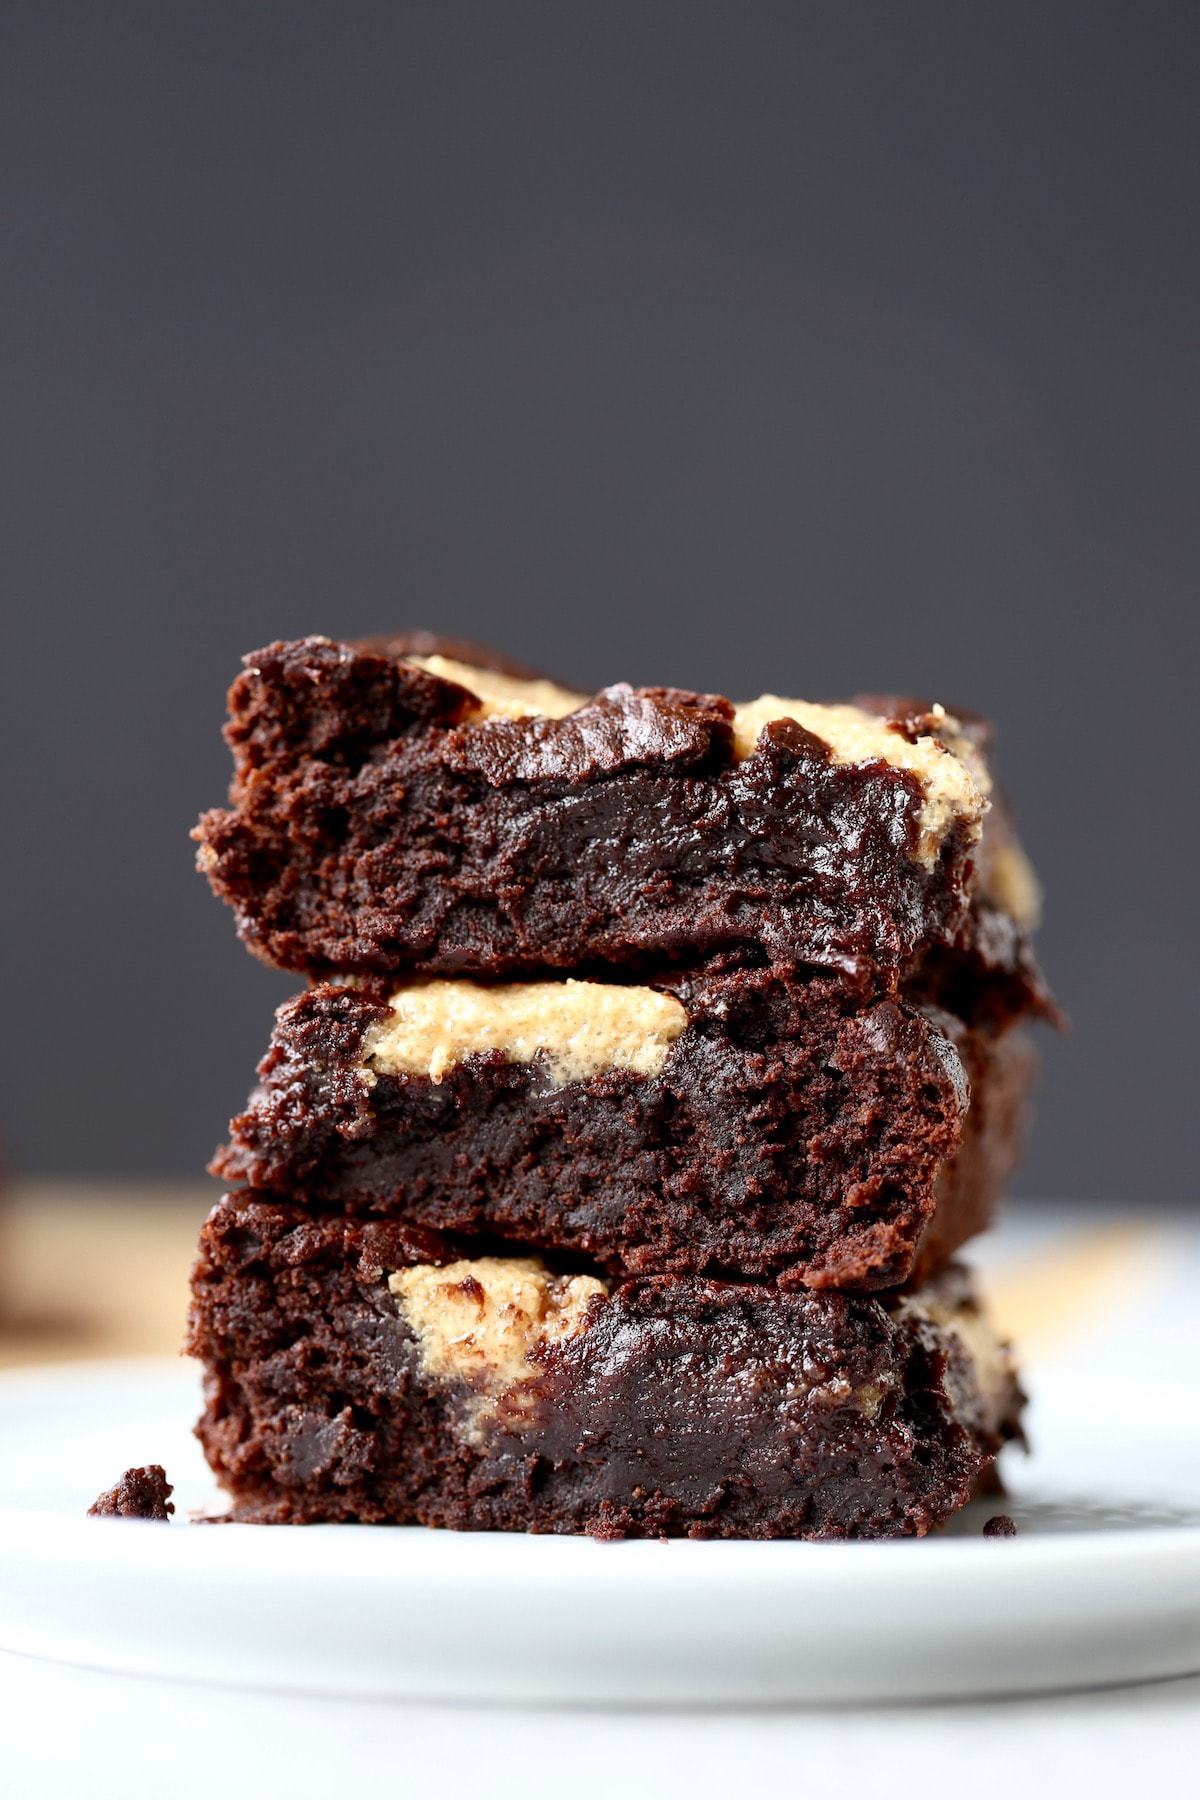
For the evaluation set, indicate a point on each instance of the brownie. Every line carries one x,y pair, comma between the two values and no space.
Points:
1001,1526
140,1494
748,1122
399,812
363,1369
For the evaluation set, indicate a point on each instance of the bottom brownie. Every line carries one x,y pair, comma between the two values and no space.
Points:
362,1370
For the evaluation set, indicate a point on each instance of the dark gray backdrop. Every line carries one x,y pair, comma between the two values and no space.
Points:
811,348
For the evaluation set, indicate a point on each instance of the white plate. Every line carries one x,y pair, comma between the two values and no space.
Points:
1102,1589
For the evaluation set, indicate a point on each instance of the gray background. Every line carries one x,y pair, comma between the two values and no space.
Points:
809,348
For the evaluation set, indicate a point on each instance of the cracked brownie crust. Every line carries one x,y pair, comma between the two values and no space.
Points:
748,1122
364,1370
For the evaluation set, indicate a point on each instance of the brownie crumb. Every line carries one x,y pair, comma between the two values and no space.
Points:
140,1494
1000,1526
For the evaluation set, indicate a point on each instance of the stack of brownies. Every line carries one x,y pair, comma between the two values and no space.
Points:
657,1055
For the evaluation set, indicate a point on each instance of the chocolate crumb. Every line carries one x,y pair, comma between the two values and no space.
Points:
1000,1526
140,1494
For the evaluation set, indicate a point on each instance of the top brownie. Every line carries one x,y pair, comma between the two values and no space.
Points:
395,809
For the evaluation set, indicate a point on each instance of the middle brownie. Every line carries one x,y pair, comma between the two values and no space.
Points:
750,1122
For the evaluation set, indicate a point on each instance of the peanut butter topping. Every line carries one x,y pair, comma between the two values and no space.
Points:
480,1323
953,778
576,1029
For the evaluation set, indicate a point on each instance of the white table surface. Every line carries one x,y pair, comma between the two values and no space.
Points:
75,1733
66,1732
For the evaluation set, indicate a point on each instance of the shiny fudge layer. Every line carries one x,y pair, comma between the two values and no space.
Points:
360,1370
395,812
749,1123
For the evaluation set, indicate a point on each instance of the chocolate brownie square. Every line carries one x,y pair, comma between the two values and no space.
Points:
747,1123
360,1369
396,812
